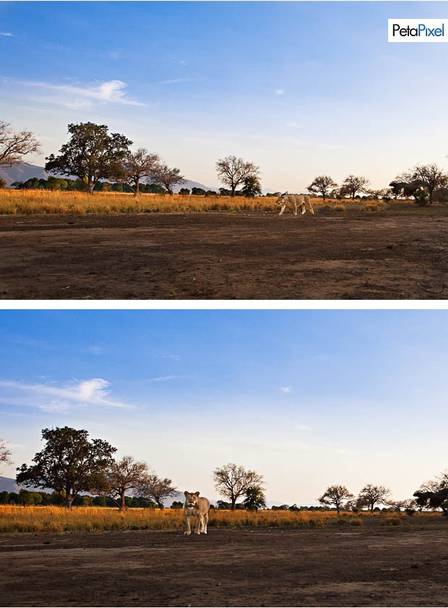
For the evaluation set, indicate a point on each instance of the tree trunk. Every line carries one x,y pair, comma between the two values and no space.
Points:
233,499
137,187
233,188
123,502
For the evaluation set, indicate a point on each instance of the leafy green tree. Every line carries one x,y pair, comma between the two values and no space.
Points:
91,154
335,496
252,186
323,185
69,463
255,498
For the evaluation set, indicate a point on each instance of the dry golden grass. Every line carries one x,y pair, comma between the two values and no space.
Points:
25,202
91,519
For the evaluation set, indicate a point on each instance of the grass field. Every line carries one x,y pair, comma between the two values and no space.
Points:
25,202
58,519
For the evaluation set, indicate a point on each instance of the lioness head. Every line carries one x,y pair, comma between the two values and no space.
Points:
280,199
191,499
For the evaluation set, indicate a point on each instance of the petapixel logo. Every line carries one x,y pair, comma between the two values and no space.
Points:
417,30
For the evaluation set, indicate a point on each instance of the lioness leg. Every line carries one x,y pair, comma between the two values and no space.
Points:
282,209
295,208
198,524
303,210
310,208
187,526
205,523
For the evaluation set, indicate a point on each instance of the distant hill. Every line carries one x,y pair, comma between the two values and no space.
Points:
8,485
24,171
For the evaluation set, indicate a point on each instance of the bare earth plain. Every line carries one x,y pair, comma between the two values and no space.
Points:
389,566
218,255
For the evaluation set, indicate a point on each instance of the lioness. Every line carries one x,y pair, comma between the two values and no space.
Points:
295,201
197,507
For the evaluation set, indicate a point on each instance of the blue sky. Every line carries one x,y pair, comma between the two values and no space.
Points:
301,89
307,398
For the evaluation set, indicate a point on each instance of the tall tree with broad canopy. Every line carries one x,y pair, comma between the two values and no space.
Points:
233,481
353,185
168,177
138,165
125,475
255,498
69,463
335,496
157,489
371,495
421,183
91,154
14,145
233,171
323,185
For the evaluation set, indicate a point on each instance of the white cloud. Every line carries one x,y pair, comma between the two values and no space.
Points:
51,397
286,389
164,378
279,91
77,96
6,34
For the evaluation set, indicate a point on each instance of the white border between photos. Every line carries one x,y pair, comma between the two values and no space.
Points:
223,304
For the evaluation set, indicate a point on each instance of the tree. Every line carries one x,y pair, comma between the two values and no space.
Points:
69,463
371,495
255,498
168,177
252,186
233,171
138,165
91,154
15,145
353,184
434,494
335,496
323,184
156,488
421,183
125,475
233,481
5,453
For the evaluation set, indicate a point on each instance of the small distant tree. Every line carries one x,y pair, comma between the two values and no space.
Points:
198,191
255,498
353,185
233,481
14,145
157,489
5,453
421,183
185,191
323,185
168,177
138,165
233,171
252,186
335,496
92,154
69,463
372,495
125,475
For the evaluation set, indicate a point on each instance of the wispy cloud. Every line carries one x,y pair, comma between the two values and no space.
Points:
6,34
53,397
165,378
75,96
279,92
285,389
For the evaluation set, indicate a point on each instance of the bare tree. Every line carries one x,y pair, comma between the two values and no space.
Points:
323,185
157,489
233,171
139,165
126,475
15,145
352,185
233,481
335,496
168,177
5,453
372,495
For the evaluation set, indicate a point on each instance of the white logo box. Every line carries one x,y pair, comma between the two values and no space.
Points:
417,30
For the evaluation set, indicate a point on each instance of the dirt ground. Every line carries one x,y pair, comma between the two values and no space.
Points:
223,255
389,566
